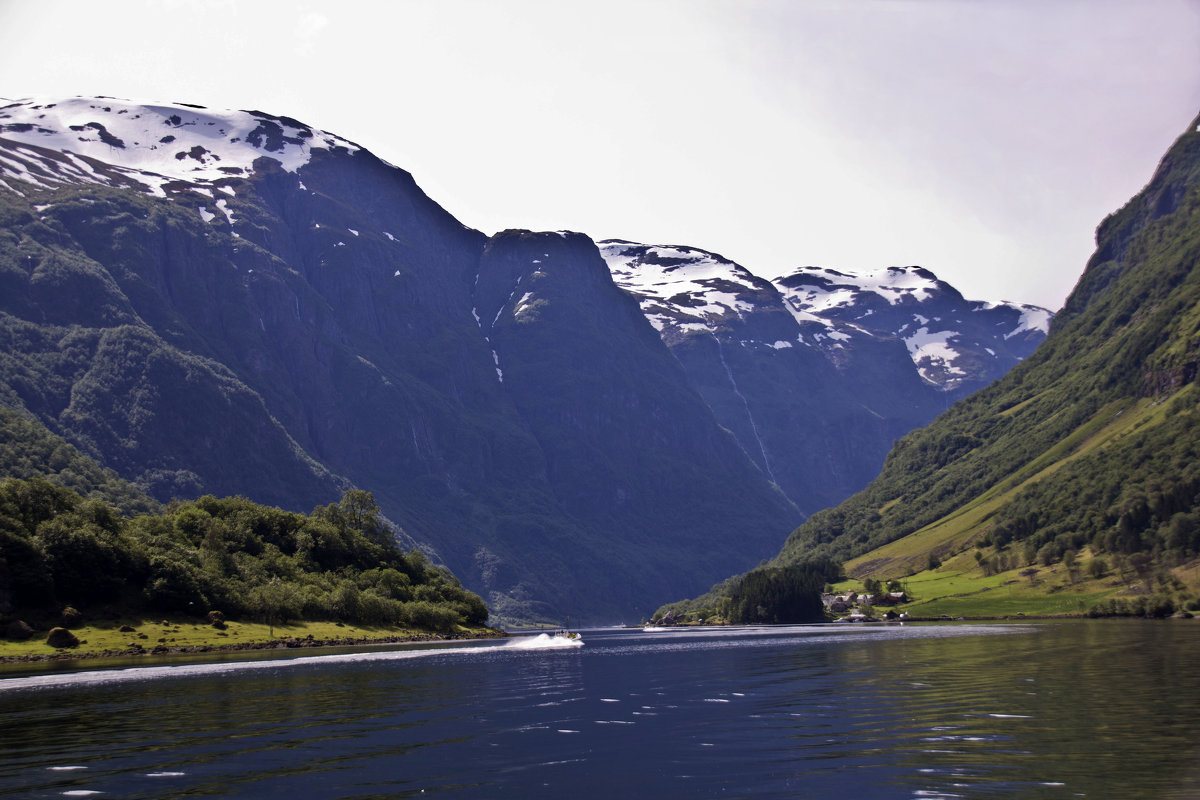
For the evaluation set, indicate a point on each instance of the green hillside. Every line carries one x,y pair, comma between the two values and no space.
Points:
73,534
28,450
1078,473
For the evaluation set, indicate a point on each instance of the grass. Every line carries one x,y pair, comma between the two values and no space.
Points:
959,588
1007,594
176,634
1014,410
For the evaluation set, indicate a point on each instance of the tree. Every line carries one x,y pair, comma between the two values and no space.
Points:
358,512
89,564
1072,565
34,501
275,601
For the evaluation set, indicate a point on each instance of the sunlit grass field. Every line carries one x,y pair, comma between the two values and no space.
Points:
960,588
107,636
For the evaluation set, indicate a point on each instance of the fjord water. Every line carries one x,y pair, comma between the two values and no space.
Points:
1101,709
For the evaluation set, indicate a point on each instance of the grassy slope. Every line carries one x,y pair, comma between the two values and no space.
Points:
959,588
957,530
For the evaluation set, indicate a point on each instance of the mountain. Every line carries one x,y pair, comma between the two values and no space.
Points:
237,303
817,373
1089,449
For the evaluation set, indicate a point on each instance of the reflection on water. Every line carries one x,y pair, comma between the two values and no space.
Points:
1103,709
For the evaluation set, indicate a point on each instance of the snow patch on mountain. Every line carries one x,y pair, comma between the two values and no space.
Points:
821,289
933,353
116,142
683,288
1032,318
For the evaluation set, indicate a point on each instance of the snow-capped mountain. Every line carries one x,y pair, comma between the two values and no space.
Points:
161,149
684,289
238,303
953,343
818,372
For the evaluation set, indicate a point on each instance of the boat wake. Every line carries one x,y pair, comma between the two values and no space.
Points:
110,676
546,642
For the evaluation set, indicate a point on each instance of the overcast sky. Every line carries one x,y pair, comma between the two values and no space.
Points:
982,140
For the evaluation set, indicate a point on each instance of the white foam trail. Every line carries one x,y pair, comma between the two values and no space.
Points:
107,676
545,642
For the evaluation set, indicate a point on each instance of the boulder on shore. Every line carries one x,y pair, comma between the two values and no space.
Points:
61,637
18,630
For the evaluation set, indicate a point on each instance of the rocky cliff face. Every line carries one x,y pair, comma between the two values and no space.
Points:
236,303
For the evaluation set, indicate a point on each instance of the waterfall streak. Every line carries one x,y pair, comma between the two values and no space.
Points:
746,405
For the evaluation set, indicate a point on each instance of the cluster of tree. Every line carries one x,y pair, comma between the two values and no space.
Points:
340,562
1153,606
28,449
765,595
783,594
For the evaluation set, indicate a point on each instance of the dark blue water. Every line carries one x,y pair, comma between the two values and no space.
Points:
1100,709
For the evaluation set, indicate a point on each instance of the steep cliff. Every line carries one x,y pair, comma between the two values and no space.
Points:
235,303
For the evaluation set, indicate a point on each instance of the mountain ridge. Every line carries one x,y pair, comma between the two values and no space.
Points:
817,373
286,315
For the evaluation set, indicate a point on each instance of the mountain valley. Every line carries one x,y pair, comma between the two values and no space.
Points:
234,303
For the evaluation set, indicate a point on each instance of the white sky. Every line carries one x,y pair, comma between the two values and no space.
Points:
982,140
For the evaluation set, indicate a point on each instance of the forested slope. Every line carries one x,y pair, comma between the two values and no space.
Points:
1091,442
73,534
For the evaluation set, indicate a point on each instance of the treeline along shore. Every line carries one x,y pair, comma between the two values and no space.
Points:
75,568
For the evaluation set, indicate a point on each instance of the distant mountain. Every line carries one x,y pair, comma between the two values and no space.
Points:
238,303
1088,449
819,372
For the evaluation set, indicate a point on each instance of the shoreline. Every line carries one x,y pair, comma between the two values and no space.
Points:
1019,617
286,643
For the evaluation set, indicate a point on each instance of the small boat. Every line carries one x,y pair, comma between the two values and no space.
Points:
565,632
